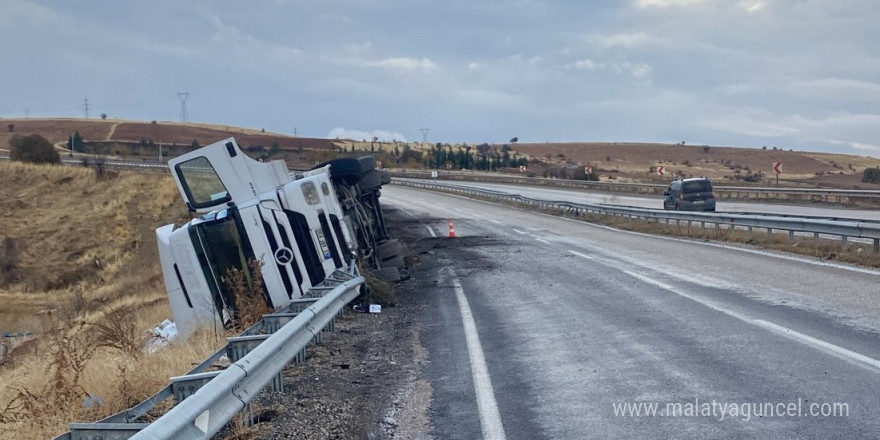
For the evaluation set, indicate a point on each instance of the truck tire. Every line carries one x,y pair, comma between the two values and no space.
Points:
371,181
395,261
387,274
346,169
388,248
368,163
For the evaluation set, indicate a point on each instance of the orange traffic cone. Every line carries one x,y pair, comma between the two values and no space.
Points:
451,229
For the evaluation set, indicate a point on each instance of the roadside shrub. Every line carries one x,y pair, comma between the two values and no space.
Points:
871,175
9,253
34,149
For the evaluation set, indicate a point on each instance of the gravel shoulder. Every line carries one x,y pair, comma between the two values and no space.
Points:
366,380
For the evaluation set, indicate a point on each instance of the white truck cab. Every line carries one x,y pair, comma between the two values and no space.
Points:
250,210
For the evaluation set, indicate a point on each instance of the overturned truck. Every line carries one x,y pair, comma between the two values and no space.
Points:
302,227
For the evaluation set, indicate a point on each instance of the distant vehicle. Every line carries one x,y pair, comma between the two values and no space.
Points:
693,194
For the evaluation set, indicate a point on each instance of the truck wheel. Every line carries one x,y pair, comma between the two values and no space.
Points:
387,274
388,248
346,169
368,163
395,261
371,181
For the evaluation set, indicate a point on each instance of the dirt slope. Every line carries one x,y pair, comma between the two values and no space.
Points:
66,231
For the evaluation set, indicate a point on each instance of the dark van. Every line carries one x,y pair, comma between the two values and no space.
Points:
690,195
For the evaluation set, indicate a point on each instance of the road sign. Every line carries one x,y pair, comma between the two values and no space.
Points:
777,167
588,170
661,171
378,164
522,168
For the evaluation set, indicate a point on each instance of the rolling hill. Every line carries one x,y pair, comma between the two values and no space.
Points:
628,162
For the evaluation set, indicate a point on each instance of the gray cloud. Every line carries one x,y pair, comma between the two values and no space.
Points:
794,73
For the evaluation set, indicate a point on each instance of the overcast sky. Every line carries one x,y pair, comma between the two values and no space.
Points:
802,74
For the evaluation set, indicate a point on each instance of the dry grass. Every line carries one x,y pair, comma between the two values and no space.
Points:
379,291
249,294
92,361
87,281
827,249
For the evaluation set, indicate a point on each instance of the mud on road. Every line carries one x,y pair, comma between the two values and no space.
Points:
366,380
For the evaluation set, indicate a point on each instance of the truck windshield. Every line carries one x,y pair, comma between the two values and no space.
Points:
221,245
200,181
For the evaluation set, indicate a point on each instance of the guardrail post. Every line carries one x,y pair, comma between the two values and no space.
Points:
104,431
750,228
300,304
843,240
816,239
185,386
274,321
769,232
877,245
790,235
239,347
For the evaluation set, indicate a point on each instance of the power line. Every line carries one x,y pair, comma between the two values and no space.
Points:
184,116
86,107
424,134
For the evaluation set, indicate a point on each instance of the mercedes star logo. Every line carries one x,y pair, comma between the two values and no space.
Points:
283,256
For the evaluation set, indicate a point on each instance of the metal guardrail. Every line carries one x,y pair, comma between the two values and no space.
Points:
729,192
843,228
208,400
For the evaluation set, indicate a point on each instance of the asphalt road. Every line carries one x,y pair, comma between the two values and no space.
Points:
644,201
543,328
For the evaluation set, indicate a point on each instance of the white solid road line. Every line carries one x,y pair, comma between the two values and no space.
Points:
519,232
827,347
490,418
495,221
542,241
431,231
582,255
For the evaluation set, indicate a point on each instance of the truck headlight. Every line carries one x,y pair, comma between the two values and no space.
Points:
310,193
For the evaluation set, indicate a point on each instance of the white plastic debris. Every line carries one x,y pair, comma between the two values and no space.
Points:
167,330
375,308
162,335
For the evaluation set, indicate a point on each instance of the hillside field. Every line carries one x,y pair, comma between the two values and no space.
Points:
621,161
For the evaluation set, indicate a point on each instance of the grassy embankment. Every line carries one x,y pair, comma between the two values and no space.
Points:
79,268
